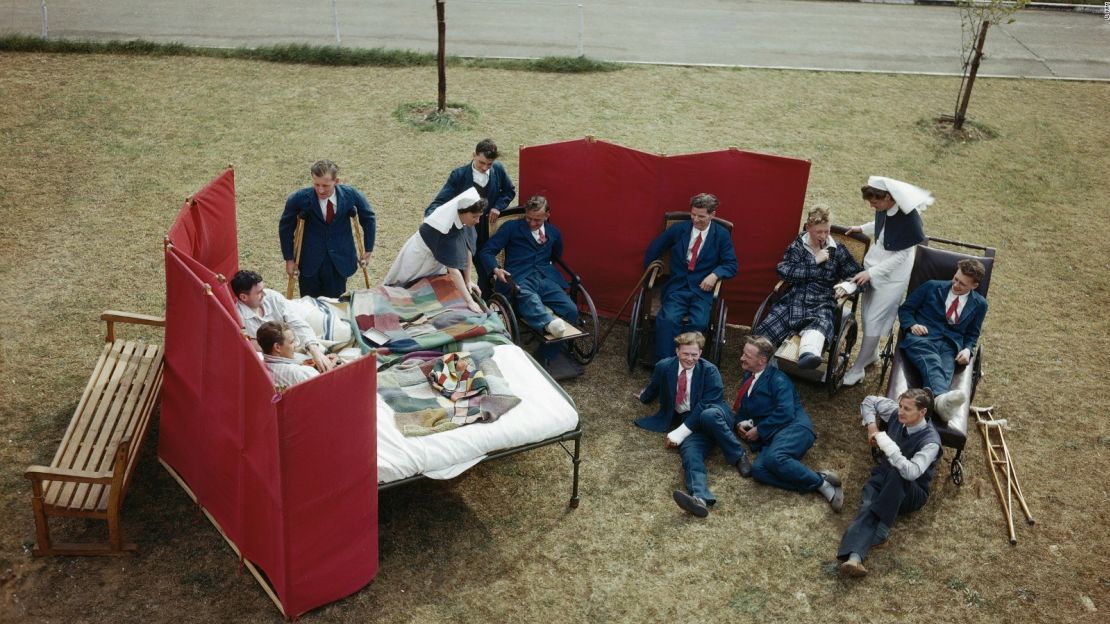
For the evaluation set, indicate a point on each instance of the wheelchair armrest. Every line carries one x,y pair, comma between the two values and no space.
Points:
653,270
573,277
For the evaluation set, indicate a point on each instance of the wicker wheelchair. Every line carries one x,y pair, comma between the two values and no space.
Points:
838,351
581,338
648,301
932,261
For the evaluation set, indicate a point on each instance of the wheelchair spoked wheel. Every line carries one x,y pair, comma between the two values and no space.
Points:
887,356
717,333
976,372
957,475
637,327
840,356
499,305
584,349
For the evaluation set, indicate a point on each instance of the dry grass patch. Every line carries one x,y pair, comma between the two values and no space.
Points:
100,151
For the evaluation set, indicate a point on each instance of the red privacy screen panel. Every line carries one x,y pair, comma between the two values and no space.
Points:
205,228
609,202
291,478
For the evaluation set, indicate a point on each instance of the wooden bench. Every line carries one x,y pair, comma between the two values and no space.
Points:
89,475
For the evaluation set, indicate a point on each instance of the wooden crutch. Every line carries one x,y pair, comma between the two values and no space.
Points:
298,238
999,460
360,245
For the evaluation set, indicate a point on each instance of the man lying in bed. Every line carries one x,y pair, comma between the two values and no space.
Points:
257,304
277,342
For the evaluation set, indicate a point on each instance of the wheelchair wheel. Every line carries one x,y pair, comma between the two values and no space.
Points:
957,469
763,311
840,354
637,328
499,305
887,356
716,336
583,349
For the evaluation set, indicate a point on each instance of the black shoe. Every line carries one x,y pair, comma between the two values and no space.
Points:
744,466
809,361
831,477
691,504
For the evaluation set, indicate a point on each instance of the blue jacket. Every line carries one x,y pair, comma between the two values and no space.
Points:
321,240
706,390
772,404
499,190
715,256
523,254
925,306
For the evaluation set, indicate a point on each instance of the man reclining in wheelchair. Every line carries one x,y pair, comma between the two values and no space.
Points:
814,265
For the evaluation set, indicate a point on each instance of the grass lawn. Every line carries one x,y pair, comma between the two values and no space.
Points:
98,153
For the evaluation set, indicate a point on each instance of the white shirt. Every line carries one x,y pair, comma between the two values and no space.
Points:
959,306
536,234
286,372
275,307
480,178
324,205
694,232
886,267
755,378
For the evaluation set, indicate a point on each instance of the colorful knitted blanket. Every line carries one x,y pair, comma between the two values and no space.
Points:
445,392
429,314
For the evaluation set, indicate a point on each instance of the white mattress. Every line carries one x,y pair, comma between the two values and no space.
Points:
543,413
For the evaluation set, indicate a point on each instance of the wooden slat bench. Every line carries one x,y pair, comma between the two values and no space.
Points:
89,475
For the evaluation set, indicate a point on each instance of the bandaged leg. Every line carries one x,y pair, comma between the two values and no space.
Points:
809,352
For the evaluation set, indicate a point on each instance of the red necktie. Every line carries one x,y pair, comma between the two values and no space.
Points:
331,213
953,311
543,237
743,392
694,253
681,387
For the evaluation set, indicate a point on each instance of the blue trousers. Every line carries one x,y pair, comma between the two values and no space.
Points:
934,358
327,282
537,292
712,426
885,496
779,463
695,304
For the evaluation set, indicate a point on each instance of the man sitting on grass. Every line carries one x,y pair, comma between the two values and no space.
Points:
277,342
900,483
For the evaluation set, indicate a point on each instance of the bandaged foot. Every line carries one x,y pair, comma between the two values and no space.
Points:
556,328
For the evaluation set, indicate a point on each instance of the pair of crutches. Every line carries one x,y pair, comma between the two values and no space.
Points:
298,238
1003,474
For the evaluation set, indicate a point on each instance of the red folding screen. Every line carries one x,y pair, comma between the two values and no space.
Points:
609,202
291,478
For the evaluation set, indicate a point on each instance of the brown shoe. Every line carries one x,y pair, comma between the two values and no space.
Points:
853,569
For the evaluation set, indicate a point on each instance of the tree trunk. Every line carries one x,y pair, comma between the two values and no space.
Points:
441,23
961,112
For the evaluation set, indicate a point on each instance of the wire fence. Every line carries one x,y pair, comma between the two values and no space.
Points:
474,27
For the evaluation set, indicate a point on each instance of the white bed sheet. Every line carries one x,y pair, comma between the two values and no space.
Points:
543,413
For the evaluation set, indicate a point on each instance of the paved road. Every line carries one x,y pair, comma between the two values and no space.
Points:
759,33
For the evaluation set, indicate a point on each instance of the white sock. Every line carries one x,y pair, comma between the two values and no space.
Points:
827,490
855,557
812,342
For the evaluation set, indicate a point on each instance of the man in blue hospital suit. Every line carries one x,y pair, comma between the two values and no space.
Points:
701,255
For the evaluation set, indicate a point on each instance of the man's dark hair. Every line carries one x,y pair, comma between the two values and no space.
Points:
973,269
269,334
322,168
870,192
708,201
244,281
487,148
